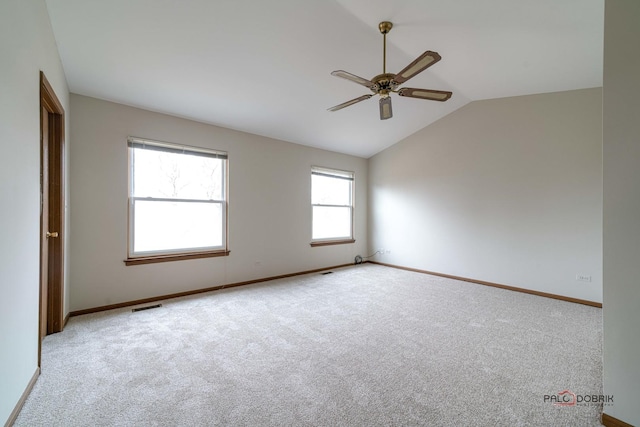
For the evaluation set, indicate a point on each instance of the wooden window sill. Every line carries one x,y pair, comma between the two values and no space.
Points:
177,257
332,242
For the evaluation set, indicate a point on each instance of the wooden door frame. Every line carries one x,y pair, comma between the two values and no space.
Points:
55,294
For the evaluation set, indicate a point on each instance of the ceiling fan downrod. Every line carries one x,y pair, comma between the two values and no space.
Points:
385,27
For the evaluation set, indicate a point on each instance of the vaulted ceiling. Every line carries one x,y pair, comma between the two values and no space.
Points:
264,66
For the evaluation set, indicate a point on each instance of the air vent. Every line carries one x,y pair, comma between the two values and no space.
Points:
147,307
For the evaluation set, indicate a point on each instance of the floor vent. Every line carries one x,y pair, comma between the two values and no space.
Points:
326,272
146,308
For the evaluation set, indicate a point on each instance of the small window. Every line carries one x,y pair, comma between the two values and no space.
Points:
332,206
177,202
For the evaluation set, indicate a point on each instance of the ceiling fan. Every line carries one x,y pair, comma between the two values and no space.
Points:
385,83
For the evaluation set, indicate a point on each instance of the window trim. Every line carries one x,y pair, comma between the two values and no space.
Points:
177,257
149,257
337,174
317,243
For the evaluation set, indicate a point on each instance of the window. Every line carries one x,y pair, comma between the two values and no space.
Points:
177,202
332,206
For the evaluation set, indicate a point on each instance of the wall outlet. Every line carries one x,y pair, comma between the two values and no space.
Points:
583,278
381,251
387,251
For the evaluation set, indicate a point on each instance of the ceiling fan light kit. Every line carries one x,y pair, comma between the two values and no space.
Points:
386,83
386,111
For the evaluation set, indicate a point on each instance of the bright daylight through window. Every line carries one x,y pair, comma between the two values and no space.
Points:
332,205
177,200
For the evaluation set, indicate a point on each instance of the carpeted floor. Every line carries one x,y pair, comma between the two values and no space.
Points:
364,346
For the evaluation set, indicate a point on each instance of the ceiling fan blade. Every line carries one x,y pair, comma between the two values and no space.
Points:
420,64
357,79
353,101
385,108
433,95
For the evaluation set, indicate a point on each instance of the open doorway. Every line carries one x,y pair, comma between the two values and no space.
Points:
51,211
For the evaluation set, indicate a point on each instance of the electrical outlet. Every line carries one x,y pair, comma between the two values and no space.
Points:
583,278
381,251
388,251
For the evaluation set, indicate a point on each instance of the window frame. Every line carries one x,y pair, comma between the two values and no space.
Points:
164,255
336,174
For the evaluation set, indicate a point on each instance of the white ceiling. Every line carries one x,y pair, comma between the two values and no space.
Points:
264,66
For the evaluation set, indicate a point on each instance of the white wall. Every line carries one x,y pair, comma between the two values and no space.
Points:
269,213
621,159
506,191
27,46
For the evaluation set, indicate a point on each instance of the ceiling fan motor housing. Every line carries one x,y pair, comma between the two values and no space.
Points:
384,83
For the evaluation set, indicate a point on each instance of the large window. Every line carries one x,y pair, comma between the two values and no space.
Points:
177,202
332,205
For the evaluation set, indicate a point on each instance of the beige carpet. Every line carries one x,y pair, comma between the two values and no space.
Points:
364,346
